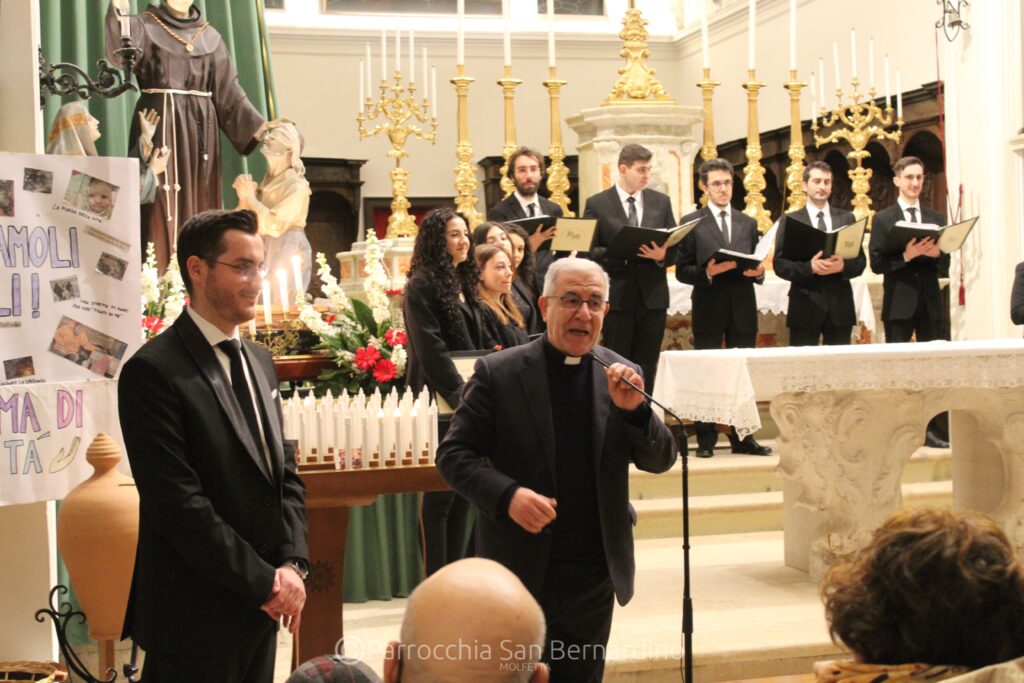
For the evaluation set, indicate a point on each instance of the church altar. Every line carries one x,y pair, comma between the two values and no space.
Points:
850,417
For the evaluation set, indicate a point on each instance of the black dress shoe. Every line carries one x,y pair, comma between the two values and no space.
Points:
705,452
750,447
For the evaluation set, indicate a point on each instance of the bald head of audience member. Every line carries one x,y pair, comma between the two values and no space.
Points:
474,621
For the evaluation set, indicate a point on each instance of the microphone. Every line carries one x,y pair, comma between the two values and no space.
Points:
638,389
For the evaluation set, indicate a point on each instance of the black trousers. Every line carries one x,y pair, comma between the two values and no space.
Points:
254,663
444,519
636,334
707,435
830,334
578,600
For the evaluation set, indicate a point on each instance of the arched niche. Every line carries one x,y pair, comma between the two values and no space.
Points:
927,147
883,192
842,189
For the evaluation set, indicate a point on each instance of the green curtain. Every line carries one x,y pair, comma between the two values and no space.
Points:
382,555
73,31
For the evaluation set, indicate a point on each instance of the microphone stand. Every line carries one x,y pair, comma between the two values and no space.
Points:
687,600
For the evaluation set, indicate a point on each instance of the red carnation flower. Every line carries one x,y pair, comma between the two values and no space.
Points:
396,337
329,318
394,292
153,323
384,371
366,357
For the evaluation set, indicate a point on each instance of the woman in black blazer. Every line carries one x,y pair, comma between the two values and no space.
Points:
502,323
441,317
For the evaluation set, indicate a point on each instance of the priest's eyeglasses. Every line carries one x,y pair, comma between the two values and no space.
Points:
248,270
571,301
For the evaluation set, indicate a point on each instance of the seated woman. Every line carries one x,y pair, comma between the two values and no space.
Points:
441,317
934,593
501,323
524,291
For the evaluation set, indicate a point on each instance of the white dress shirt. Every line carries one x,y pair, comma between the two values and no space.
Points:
624,200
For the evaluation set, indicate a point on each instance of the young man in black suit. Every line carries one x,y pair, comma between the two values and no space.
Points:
526,169
635,325
724,306
222,551
820,296
541,444
911,301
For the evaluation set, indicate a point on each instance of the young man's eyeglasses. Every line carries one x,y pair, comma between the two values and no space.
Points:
248,270
596,304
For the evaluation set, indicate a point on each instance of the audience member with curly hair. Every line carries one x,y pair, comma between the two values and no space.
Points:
441,316
935,593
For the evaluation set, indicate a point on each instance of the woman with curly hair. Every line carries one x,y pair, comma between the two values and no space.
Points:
935,593
502,324
441,317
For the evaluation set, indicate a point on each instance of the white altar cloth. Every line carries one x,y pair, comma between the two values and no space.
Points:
724,385
773,297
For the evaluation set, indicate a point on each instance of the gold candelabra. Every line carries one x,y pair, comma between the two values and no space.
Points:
636,80
558,174
465,173
508,88
400,109
797,153
858,123
708,150
753,174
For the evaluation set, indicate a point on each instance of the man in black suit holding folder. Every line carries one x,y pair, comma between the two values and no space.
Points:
724,306
635,325
820,296
911,301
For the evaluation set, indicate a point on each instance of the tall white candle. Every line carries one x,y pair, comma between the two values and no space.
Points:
412,58
362,86
871,63
383,55
752,21
792,35
126,27
835,62
460,39
369,77
297,274
506,37
814,99
888,90
704,36
252,328
853,53
899,96
398,49
425,81
267,319
282,283
551,33
433,90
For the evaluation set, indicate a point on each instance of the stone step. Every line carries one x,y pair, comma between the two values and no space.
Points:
748,512
727,474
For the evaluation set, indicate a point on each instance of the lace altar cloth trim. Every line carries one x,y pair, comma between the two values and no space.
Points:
724,386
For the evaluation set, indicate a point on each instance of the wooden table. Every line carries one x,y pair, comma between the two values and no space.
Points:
329,495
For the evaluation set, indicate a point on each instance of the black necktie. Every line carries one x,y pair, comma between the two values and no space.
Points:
239,385
725,226
913,214
631,216
821,222
533,209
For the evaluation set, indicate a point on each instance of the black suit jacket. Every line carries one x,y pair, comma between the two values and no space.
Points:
812,297
903,284
1017,296
636,282
431,341
502,435
214,524
509,209
729,295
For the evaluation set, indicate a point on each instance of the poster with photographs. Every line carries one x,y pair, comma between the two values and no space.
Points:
70,264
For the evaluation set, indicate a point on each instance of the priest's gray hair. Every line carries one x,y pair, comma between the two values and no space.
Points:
572,265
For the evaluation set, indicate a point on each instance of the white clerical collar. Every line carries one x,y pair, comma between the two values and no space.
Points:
213,334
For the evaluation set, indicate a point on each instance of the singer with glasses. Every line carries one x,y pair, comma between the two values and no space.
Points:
554,497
